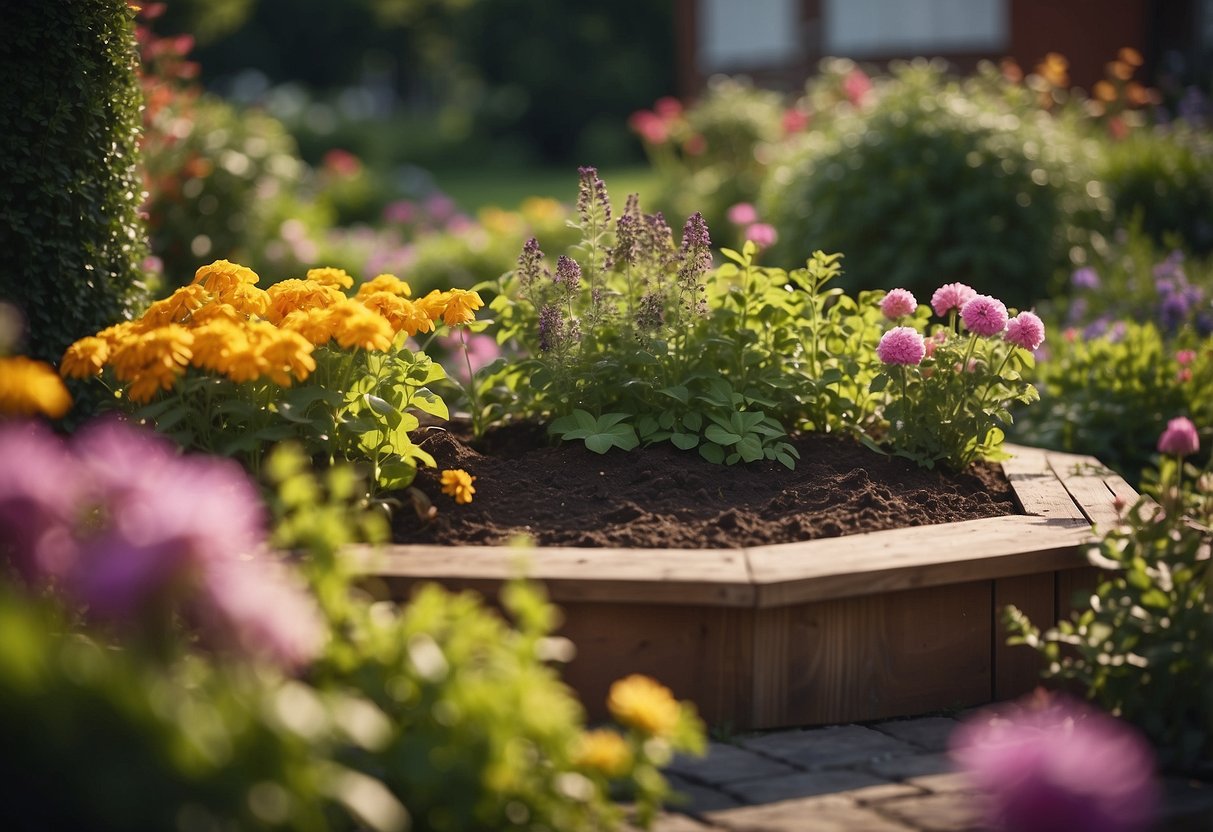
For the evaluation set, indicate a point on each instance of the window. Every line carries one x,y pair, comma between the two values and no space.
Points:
859,28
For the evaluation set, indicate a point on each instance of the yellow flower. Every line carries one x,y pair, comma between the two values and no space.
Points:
541,209
288,357
401,313
1104,91
217,312
150,380
119,334
355,326
162,352
433,304
246,298
458,483
461,306
336,278
603,751
1130,56
289,295
222,275
315,325
29,388
644,704
177,307
85,358
213,341
385,283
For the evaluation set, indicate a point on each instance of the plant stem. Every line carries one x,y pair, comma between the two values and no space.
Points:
473,399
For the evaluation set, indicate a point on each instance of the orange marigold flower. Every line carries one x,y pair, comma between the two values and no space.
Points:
30,388
217,312
316,325
458,483
177,307
212,342
1120,70
1104,91
336,278
385,283
1130,56
85,358
246,298
288,357
604,751
290,295
166,346
356,327
461,307
644,704
222,275
150,380
433,304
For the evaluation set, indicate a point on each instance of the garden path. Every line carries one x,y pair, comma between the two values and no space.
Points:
892,776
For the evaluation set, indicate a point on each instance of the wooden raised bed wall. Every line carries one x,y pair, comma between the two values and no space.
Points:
863,627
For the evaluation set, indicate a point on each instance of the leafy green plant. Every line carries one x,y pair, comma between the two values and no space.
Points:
69,157
1142,645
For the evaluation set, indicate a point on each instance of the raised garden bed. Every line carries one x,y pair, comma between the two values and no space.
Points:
870,626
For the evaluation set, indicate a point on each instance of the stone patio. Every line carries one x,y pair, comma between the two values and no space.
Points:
890,776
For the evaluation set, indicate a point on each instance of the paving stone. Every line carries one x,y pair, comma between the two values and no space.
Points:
932,772
817,814
950,812
726,763
674,822
699,798
928,732
838,746
851,784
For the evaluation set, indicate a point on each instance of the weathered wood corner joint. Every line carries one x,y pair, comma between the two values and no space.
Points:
865,627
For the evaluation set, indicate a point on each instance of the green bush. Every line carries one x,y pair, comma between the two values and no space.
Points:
69,208
936,180
1164,178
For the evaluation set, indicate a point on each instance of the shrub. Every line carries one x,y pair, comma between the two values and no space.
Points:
1163,177
935,180
69,126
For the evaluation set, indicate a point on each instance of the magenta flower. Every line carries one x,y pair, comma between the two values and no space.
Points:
951,296
897,304
901,345
1056,766
1026,330
762,234
743,213
1180,438
984,315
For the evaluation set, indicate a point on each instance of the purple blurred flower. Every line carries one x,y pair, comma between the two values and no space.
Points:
1056,765
1085,278
39,497
898,303
901,345
984,315
1180,438
439,207
401,212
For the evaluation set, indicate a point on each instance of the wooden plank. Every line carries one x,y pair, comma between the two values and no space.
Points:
700,653
1017,669
771,650
1075,585
1038,490
673,576
880,656
994,547
1087,481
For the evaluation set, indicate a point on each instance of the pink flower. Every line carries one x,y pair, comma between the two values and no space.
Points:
936,341
1180,438
951,296
984,315
794,121
897,304
400,212
901,345
1185,357
743,213
762,234
481,350
856,86
342,162
1026,330
668,107
649,126
1034,766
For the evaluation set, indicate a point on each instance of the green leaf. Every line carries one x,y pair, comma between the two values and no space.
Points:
878,383
693,421
750,448
684,441
712,452
720,436
383,408
430,402
677,392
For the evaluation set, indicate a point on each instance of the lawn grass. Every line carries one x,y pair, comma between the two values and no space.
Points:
473,189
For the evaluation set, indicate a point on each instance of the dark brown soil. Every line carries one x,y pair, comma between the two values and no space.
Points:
661,497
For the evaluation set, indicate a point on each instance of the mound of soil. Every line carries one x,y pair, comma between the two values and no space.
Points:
660,497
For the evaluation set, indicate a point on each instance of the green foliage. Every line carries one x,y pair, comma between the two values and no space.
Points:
935,180
1110,396
69,222
1142,645
483,735
1164,178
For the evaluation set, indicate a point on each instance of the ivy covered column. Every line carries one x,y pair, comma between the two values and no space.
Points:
70,185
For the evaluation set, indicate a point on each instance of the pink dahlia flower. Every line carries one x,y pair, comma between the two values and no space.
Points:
1026,330
951,296
901,345
984,315
898,303
762,234
1180,438
1035,768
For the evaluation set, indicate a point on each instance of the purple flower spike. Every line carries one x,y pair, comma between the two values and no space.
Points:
901,345
1057,765
984,315
1180,438
1026,330
568,274
898,303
